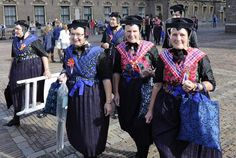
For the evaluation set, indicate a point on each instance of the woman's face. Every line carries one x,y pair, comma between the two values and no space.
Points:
19,31
77,36
132,33
179,38
113,21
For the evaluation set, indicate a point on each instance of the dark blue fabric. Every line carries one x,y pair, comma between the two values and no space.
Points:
200,120
17,43
51,101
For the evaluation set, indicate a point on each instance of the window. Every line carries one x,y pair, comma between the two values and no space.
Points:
211,10
186,10
141,11
39,14
10,15
195,10
65,14
125,11
107,11
158,11
87,12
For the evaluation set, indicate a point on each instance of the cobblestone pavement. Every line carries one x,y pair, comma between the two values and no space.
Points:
37,137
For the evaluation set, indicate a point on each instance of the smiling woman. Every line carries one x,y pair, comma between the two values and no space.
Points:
29,59
133,76
87,73
180,70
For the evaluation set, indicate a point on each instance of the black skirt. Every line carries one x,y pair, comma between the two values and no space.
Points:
86,124
166,123
23,70
128,111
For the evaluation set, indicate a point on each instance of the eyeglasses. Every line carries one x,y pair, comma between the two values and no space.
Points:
76,34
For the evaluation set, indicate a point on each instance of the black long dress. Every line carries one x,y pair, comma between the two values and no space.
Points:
134,91
27,63
86,124
166,119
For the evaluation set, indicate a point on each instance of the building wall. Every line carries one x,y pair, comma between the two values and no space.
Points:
205,9
25,8
230,26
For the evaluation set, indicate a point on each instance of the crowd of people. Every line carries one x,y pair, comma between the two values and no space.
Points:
127,70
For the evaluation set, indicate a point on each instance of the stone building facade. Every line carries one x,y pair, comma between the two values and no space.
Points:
45,11
230,25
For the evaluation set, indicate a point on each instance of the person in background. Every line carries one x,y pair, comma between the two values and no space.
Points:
148,26
180,67
87,73
48,42
133,72
56,34
92,25
29,59
177,11
112,36
195,23
32,27
64,38
157,23
214,21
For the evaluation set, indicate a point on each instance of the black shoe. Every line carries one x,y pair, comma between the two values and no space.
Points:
41,115
13,122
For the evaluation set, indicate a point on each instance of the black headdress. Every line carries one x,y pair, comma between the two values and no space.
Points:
22,23
132,19
78,23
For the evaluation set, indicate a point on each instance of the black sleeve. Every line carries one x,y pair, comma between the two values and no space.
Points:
166,43
205,72
12,51
193,39
39,49
104,66
159,71
104,37
117,62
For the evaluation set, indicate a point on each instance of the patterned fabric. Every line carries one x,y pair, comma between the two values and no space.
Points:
23,52
186,69
133,65
146,92
51,101
114,37
84,66
200,121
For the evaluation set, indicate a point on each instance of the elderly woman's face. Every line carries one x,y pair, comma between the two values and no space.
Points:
132,33
179,38
78,36
19,31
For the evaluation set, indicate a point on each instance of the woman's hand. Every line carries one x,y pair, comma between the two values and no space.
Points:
148,72
62,78
105,45
149,116
47,74
116,99
188,86
107,109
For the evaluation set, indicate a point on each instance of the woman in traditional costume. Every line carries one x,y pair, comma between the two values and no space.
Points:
88,76
181,69
29,60
133,72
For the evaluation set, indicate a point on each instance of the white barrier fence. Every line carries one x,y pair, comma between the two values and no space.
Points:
34,106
